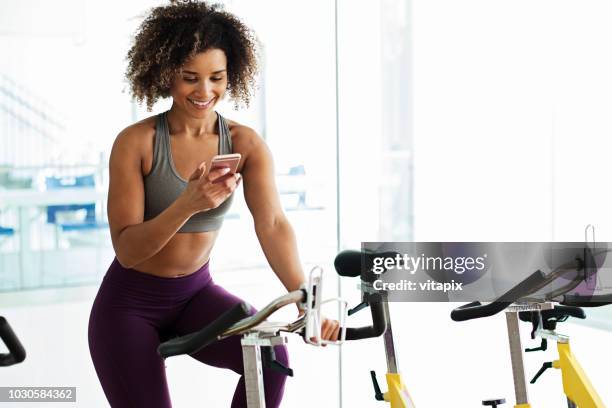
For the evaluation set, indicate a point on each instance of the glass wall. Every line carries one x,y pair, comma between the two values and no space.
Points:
63,100
61,103
375,158
511,139
59,121
295,113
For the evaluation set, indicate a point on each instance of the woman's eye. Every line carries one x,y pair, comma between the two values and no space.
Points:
190,79
216,78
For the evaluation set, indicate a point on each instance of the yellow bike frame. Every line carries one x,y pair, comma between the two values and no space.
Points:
577,388
397,394
576,384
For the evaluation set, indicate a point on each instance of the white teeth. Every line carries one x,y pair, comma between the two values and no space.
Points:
200,103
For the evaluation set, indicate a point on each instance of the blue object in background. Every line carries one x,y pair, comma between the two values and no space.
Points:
89,222
6,231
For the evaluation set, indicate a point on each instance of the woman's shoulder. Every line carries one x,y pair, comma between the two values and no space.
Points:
138,135
136,142
244,138
139,131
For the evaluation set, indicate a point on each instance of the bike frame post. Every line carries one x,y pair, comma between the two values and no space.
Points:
516,356
251,356
396,394
389,344
253,374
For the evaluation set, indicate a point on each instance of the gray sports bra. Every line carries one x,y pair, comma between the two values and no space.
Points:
163,185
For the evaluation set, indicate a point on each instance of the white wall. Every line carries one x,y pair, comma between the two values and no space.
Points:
511,143
511,137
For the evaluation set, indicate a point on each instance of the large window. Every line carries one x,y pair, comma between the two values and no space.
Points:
332,105
511,140
57,134
375,156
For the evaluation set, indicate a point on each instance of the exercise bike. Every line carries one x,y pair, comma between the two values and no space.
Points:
520,304
16,353
351,263
259,335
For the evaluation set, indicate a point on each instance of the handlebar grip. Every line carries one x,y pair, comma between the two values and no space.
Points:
348,263
571,311
351,263
194,342
16,352
378,327
587,301
475,310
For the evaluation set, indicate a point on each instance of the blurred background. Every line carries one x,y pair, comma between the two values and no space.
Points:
389,120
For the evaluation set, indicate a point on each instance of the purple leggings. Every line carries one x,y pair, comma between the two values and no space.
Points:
134,311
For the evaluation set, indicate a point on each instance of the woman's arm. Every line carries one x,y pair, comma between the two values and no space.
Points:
135,241
273,230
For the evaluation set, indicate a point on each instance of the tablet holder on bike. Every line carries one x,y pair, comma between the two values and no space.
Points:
313,311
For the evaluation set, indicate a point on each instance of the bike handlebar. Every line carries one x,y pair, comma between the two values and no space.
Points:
194,342
349,263
587,301
16,352
236,320
379,323
475,310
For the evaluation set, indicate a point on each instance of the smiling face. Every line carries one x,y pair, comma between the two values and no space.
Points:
200,84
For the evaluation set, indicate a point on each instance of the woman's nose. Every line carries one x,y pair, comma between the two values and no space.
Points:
206,88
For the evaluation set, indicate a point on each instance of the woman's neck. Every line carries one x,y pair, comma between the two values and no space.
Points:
181,123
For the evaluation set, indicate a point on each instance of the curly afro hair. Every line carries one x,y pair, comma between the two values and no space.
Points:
172,34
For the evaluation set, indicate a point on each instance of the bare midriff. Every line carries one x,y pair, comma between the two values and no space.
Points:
183,255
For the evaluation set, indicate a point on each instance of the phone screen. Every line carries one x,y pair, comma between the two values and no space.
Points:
229,161
231,164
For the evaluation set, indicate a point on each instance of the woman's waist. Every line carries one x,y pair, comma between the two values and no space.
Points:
183,255
172,267
135,283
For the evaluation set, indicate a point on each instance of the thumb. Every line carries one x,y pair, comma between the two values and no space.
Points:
198,172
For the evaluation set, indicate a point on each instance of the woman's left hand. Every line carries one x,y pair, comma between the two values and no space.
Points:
330,329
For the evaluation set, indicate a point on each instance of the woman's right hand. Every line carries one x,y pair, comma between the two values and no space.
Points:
205,192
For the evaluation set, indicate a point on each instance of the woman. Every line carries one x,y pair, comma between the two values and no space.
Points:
165,209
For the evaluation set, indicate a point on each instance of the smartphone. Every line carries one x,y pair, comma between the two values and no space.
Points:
229,161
